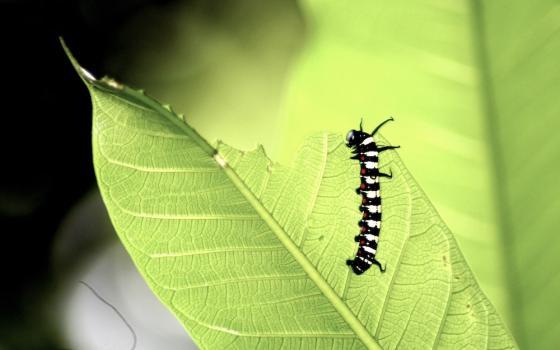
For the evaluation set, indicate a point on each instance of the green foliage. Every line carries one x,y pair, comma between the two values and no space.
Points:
248,253
474,86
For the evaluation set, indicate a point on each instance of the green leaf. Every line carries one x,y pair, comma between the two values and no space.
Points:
521,42
251,254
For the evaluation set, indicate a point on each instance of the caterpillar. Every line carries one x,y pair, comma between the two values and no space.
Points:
366,151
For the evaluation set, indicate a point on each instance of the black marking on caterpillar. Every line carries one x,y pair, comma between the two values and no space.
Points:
366,151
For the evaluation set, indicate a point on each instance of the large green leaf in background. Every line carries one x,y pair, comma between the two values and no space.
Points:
522,46
251,254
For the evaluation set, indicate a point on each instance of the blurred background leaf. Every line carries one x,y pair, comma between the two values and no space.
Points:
521,42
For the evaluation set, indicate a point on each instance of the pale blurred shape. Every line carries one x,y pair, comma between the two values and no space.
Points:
89,324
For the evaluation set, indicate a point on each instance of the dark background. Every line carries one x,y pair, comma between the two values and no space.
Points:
46,148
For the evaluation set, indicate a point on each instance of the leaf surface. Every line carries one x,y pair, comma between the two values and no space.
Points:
251,254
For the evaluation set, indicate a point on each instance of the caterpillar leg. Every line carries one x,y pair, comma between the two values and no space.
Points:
381,268
359,190
385,148
380,125
390,175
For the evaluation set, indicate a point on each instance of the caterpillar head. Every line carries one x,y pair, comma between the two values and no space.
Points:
355,137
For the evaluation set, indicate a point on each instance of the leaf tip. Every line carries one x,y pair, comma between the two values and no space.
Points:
86,76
